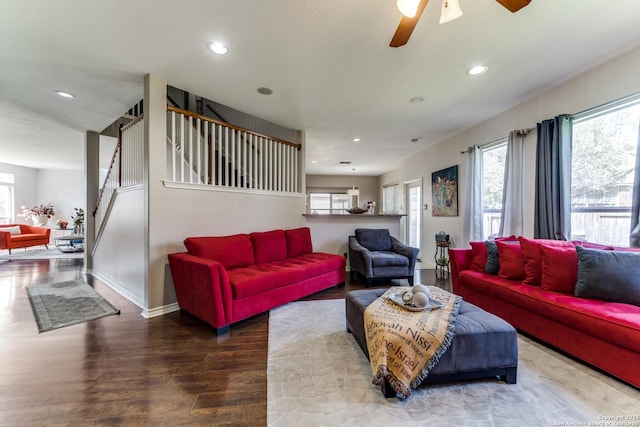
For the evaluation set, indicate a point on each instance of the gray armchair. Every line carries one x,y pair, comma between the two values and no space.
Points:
374,253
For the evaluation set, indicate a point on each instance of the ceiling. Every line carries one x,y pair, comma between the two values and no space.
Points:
328,63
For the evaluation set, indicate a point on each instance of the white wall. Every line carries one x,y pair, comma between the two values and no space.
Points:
25,190
63,188
613,80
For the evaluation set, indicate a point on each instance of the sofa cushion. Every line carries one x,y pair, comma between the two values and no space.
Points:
388,259
12,230
532,258
608,275
230,251
260,278
493,263
510,260
613,322
559,268
374,239
478,256
269,246
298,241
592,245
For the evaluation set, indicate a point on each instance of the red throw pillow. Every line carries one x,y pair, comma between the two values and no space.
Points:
298,241
269,246
559,269
510,258
532,260
478,256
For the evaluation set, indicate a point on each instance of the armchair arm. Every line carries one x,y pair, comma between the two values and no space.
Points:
202,288
408,251
359,258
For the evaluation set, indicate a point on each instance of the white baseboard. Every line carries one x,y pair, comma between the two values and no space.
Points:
160,311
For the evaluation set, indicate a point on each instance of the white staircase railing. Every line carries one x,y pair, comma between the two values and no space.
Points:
206,151
125,170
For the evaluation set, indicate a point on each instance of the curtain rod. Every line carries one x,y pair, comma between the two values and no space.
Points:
521,132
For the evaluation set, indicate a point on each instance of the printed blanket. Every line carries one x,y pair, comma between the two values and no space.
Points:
405,345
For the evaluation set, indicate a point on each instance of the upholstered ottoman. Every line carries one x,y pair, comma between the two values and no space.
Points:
484,345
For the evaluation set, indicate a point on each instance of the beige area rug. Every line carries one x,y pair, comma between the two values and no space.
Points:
318,376
37,252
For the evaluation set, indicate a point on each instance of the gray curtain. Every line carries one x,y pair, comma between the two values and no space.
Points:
552,215
472,217
634,238
511,220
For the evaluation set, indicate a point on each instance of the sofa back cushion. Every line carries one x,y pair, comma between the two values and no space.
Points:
559,268
608,275
532,257
374,239
269,246
231,251
298,241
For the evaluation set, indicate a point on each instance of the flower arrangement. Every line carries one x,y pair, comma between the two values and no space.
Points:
62,223
37,211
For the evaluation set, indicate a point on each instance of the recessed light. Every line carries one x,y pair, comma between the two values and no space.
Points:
478,69
64,94
314,161
264,91
416,99
218,48
356,139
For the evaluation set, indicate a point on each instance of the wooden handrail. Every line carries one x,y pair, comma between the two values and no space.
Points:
210,120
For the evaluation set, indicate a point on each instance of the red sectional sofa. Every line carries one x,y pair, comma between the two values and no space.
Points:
535,290
222,280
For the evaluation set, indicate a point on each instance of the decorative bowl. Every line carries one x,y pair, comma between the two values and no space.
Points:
356,210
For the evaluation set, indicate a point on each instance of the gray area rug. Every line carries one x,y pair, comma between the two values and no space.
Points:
37,252
67,303
318,376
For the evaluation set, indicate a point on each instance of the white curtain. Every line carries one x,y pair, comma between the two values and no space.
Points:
512,217
472,218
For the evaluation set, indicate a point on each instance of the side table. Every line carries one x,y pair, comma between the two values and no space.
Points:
442,258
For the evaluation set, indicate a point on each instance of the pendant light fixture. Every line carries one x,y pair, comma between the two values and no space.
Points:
450,11
408,7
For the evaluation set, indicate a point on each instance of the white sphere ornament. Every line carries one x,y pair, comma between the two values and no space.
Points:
420,299
420,288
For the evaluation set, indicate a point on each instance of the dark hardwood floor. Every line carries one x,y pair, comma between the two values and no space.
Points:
126,370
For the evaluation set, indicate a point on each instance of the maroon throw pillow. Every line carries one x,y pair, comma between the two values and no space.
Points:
298,241
269,246
532,258
478,256
230,251
559,269
510,259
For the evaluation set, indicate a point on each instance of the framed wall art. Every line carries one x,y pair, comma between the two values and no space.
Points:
444,192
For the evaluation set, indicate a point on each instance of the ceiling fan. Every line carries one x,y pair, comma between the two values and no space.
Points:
412,9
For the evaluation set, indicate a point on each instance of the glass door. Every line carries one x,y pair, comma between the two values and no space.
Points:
414,212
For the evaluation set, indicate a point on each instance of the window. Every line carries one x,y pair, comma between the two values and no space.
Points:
391,198
493,164
603,161
329,203
6,198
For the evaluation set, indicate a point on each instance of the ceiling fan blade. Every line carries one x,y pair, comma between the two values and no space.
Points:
514,5
404,30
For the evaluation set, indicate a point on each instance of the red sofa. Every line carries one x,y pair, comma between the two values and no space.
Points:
222,280
534,290
29,235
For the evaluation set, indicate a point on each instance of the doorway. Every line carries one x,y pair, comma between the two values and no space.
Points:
413,192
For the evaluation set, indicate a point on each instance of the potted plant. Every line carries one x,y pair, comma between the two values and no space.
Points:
78,221
62,224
